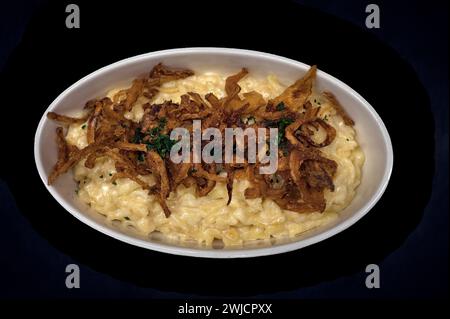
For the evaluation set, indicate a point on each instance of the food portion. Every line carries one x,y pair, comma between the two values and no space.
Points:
119,151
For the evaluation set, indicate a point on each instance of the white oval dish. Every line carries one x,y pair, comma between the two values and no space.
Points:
371,133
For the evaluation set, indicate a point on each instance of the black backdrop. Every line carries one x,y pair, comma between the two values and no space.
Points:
41,238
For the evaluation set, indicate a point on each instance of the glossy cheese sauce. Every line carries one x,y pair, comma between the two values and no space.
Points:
202,220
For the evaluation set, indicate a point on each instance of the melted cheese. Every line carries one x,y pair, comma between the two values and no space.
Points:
204,219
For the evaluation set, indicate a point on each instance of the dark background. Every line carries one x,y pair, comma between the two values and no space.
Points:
401,69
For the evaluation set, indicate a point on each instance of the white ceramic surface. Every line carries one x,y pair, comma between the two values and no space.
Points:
371,133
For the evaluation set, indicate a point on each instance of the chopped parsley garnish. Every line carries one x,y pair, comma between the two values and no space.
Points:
83,126
281,106
157,141
325,118
162,123
138,136
141,157
114,183
110,174
154,131
281,124
161,144
157,129
284,122
127,218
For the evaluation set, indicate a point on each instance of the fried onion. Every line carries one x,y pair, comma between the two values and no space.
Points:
136,149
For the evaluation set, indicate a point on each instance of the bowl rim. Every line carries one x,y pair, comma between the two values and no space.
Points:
219,253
